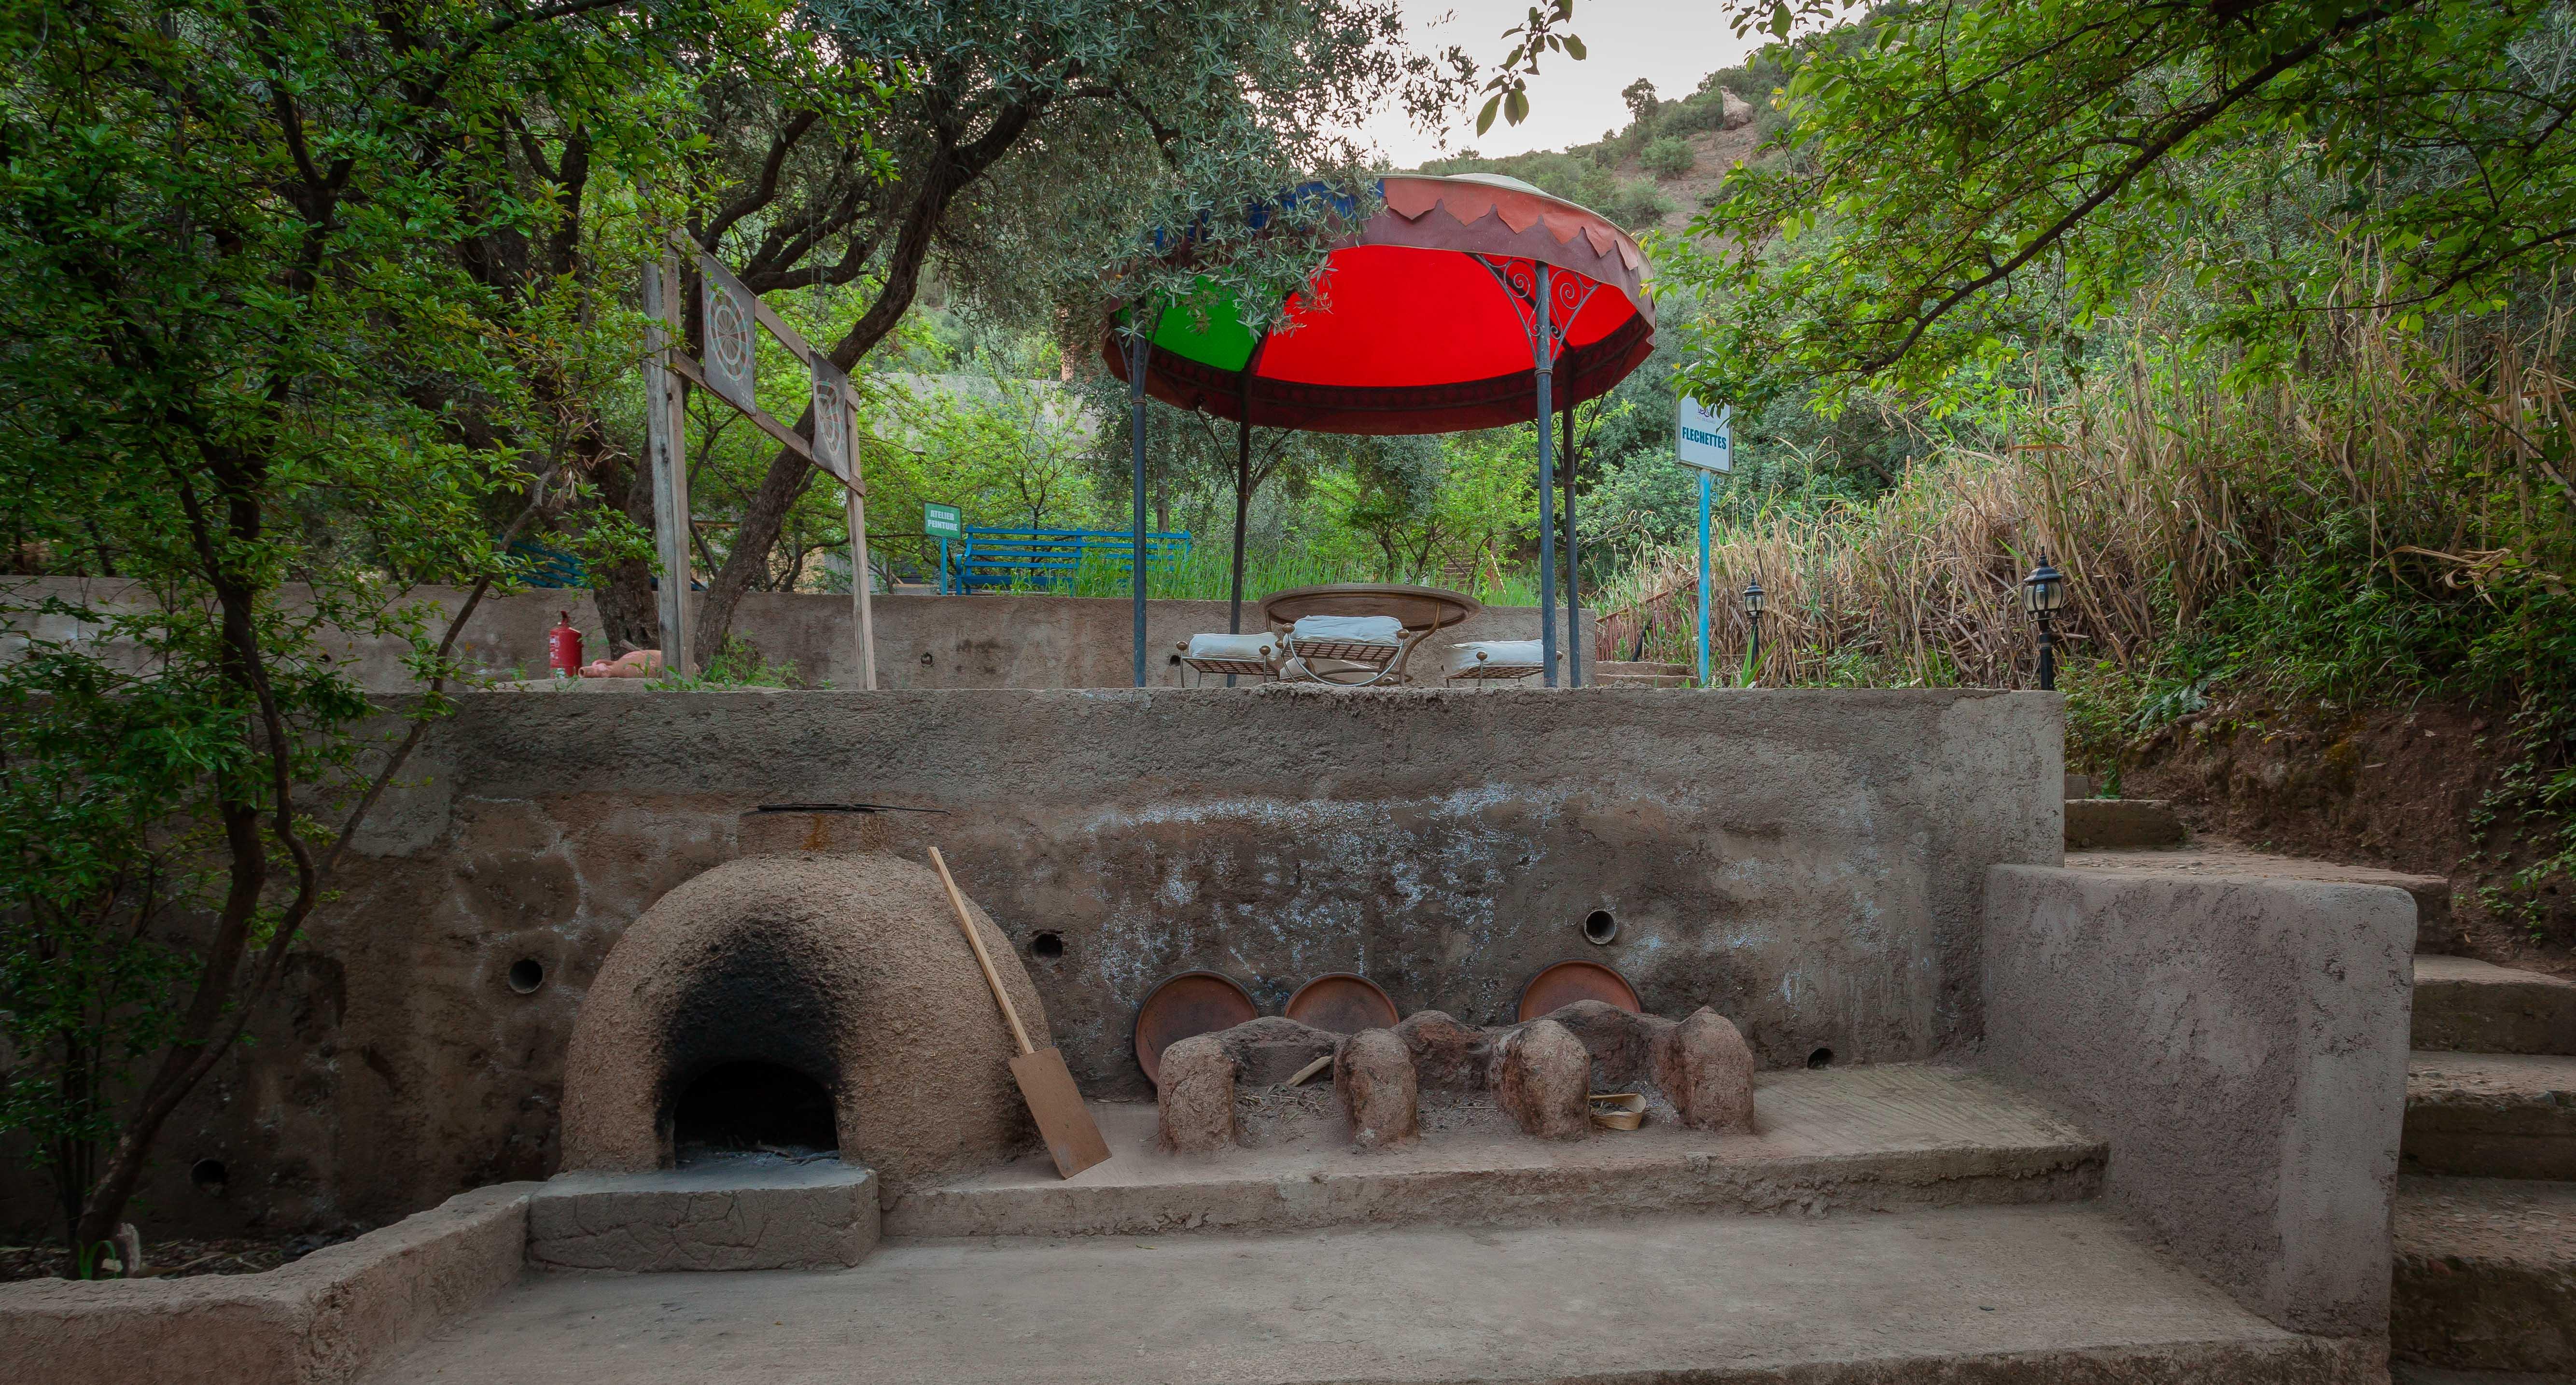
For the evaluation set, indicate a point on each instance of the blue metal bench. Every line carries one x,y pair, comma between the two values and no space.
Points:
1049,558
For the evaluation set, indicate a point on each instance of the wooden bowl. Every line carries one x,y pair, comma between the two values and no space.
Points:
1192,1003
1618,1110
1567,982
1343,1003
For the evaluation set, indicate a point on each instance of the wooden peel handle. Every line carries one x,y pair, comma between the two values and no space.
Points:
975,940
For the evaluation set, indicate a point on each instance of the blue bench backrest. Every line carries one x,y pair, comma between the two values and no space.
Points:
995,557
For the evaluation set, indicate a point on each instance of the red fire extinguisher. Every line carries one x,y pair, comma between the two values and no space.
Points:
563,648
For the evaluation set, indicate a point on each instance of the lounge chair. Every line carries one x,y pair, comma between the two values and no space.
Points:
1257,655
1482,660
1354,651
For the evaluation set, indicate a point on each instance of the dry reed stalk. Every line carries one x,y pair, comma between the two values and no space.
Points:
2168,492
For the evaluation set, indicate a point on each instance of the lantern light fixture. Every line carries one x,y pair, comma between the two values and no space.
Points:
2043,593
1753,603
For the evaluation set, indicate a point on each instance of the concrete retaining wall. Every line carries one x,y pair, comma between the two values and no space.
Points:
1808,863
987,641
2241,1043
319,1320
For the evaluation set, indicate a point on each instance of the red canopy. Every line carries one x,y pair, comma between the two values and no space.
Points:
1422,323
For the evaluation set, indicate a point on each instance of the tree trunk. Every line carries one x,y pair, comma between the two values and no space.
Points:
950,171
627,614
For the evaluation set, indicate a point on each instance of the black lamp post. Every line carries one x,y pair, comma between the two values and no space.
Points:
1753,599
2042,593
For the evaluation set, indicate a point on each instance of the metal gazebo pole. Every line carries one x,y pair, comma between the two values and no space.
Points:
1242,483
1573,561
1544,360
1139,346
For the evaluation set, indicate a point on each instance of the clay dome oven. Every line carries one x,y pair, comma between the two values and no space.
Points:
816,1001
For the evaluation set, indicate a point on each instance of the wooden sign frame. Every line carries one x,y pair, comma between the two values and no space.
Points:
732,377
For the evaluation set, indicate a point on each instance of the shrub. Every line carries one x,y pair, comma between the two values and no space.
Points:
1635,203
1669,157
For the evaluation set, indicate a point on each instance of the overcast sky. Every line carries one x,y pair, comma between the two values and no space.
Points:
1672,43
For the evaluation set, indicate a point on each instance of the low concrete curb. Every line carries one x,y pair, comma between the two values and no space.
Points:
716,1217
322,1319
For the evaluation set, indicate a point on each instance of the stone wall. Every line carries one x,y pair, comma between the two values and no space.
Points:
1810,864
987,641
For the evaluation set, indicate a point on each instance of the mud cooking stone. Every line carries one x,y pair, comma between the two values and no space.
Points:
748,1213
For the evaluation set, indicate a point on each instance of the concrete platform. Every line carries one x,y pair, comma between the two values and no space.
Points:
1965,1296
2491,1115
753,1213
2485,1275
2468,1006
1864,1138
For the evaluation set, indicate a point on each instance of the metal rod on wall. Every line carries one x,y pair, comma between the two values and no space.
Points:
1139,345
1573,562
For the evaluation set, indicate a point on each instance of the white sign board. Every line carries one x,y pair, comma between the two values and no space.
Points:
1706,438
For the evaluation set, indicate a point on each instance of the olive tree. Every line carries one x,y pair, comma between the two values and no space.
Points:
1031,150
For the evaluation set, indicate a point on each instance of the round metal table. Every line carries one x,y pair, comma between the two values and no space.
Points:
1423,611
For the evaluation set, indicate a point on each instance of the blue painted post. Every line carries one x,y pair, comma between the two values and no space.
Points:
1705,486
1544,358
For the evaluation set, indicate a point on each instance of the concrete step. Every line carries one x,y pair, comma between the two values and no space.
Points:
2485,1275
1989,1295
2491,1115
2467,1006
2403,1373
1621,674
1867,1138
740,1212
2207,858
2098,823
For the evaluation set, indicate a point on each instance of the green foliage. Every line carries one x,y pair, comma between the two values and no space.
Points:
1633,203
254,391
91,874
737,665
1510,83
1669,157
1640,98
1409,506
1980,177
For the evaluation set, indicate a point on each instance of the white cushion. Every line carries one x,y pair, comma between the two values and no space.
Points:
1248,648
1489,655
1385,630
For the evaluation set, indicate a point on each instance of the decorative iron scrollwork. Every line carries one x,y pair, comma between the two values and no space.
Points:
1567,292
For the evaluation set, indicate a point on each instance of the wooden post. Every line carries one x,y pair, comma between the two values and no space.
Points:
854,502
666,440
